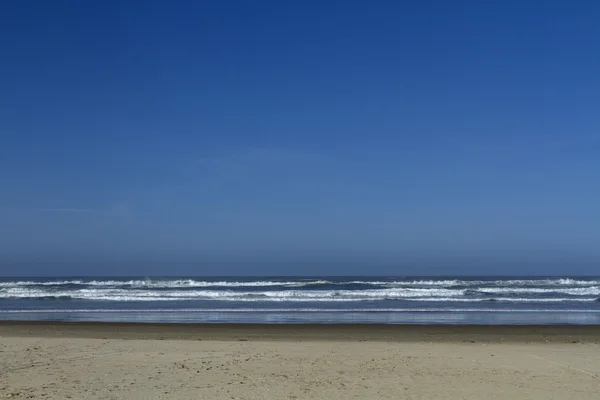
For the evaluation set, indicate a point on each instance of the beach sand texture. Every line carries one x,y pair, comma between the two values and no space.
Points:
112,361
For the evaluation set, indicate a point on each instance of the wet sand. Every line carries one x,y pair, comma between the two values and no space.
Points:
42,360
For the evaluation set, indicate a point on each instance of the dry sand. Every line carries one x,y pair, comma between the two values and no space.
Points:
120,361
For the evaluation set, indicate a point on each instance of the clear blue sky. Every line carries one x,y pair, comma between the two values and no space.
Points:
305,137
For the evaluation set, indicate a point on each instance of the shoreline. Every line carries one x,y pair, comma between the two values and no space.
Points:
305,332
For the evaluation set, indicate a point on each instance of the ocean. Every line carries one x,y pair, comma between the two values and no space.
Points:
280,300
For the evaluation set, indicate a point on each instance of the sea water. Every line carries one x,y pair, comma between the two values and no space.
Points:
391,300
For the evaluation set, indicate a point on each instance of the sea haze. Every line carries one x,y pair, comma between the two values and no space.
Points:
428,300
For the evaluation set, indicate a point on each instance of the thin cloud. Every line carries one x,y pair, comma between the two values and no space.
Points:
67,210
119,209
248,162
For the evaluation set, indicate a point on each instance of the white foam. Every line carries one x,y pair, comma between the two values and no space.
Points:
191,283
297,295
303,310
228,295
171,283
580,291
511,300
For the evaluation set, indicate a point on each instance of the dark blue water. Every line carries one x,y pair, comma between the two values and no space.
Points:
394,300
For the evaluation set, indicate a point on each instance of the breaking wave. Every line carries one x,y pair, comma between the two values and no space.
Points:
304,290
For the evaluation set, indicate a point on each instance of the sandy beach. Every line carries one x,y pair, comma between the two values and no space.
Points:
152,361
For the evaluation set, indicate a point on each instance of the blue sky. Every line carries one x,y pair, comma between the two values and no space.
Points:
277,137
